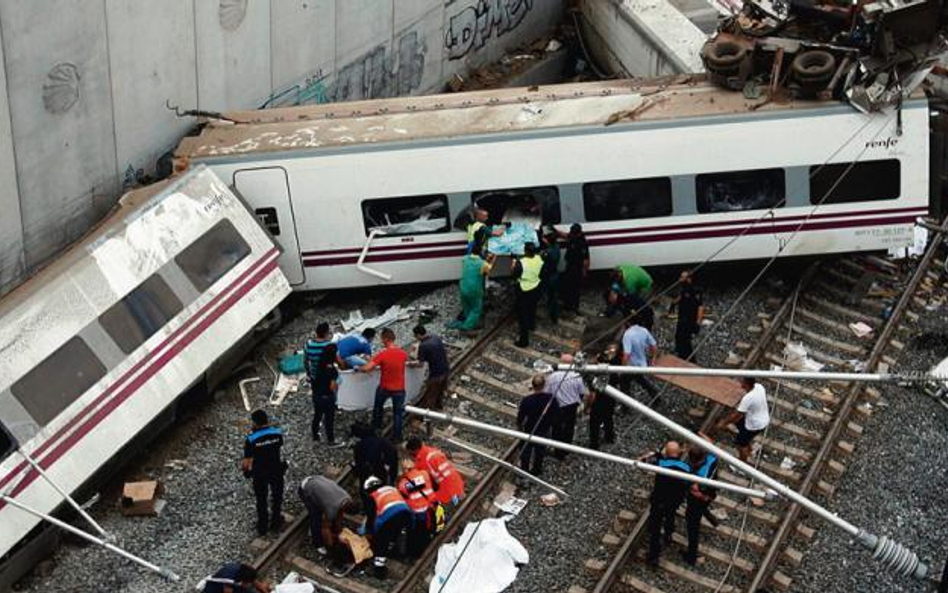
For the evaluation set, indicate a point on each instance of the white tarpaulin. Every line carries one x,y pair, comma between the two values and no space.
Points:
357,390
488,565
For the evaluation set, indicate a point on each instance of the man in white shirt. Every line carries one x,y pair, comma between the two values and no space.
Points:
751,416
638,350
568,390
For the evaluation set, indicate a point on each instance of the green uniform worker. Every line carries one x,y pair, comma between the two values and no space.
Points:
635,280
473,270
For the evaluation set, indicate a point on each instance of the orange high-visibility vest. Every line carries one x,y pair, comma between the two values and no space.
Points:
446,478
386,498
416,487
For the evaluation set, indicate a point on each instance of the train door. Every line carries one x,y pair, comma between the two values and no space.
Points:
267,189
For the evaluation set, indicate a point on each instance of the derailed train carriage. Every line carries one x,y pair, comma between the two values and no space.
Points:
666,172
100,344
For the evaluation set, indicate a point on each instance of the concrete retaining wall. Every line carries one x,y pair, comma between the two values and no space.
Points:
84,84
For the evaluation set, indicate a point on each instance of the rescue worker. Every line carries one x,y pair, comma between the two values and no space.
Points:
474,268
326,503
577,268
751,417
627,279
391,362
639,349
417,488
705,465
431,350
324,381
373,456
569,390
480,223
667,495
313,350
536,415
385,518
355,350
690,315
264,464
527,270
448,483
235,577
551,274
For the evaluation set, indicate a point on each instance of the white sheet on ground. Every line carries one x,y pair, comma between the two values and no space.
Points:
357,390
489,565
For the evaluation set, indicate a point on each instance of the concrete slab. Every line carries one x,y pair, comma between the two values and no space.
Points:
302,42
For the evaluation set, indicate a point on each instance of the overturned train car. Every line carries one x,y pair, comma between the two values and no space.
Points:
666,172
104,340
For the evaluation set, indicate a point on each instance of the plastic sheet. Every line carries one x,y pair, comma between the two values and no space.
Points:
489,564
513,240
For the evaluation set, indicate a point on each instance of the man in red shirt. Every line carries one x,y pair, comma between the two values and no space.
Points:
391,361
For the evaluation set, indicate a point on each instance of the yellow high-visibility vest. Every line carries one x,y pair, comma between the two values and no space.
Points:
473,228
530,276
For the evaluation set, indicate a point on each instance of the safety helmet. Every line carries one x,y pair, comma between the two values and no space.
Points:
371,482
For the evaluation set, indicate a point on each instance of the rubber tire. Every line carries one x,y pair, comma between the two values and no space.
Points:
814,65
724,55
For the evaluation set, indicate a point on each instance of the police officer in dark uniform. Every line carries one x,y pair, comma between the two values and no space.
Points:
667,496
264,464
690,315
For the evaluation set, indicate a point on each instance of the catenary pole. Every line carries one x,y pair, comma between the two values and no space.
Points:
608,369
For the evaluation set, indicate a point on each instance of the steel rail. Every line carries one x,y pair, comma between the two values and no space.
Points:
768,563
614,569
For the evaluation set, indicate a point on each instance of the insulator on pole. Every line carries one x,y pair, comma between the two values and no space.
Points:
894,555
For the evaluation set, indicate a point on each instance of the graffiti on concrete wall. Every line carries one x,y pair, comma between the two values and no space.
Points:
470,29
380,73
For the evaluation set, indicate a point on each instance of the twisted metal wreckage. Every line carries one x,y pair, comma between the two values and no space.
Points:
870,54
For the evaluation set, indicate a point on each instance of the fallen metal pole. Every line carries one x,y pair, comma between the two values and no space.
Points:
164,572
608,369
82,512
461,421
899,558
510,466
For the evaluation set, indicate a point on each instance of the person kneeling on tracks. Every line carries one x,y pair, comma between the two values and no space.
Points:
705,465
527,270
235,577
385,519
417,488
264,464
667,495
448,483
326,502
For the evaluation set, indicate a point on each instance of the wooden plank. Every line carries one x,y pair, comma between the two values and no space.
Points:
722,390
780,447
844,296
797,430
717,555
815,415
497,407
570,345
752,512
638,584
695,578
519,369
822,396
844,346
816,317
320,574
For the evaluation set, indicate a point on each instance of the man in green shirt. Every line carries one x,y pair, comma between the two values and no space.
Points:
628,280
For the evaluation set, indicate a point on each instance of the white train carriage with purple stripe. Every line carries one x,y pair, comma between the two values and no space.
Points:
374,192
100,343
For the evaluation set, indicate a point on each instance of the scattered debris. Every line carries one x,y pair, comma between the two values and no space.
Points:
293,364
512,505
787,463
797,358
142,499
283,387
550,499
860,329
356,322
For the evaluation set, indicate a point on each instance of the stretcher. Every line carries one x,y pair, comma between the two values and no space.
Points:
720,390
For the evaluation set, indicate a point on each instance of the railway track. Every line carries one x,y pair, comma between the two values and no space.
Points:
814,430
487,380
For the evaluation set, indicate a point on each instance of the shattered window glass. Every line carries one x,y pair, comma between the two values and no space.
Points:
409,215
7,443
532,205
214,254
629,199
740,190
866,181
140,314
58,381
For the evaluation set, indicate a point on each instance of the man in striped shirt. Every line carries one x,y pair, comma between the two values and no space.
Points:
314,348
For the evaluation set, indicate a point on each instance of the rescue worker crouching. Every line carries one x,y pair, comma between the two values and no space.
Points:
417,488
448,483
263,463
326,503
386,517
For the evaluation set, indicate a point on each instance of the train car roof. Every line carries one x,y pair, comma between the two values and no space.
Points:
457,115
81,248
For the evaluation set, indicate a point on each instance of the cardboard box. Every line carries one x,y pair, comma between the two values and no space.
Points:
142,498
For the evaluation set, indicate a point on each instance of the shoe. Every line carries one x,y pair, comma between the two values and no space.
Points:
692,561
336,444
261,531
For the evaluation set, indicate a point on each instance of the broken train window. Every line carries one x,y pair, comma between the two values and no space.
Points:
740,190
408,215
855,182
212,255
141,313
532,205
628,199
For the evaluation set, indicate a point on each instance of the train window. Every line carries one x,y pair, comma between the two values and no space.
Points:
140,314
268,218
633,198
740,190
58,381
505,205
855,182
215,253
7,443
408,215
